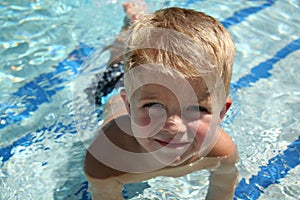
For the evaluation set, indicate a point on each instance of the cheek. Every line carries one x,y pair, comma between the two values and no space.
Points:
144,118
200,132
141,118
144,126
200,129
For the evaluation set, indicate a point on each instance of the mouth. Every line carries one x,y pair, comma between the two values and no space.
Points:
172,144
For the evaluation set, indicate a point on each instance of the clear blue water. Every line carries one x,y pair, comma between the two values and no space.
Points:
42,47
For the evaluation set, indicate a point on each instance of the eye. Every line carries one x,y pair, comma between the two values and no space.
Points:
153,105
197,108
155,109
192,113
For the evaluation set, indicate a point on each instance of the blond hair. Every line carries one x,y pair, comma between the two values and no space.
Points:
188,41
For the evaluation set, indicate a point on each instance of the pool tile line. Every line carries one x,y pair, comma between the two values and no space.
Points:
242,15
262,70
33,93
57,128
277,168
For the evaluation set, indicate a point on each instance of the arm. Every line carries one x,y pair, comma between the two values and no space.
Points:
103,180
224,177
105,189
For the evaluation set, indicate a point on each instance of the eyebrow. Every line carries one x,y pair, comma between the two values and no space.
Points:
149,96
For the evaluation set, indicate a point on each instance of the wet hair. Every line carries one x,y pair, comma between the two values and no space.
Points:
191,42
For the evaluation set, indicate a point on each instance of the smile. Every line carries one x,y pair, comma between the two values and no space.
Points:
172,144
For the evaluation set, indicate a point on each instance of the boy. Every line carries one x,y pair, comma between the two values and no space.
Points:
178,65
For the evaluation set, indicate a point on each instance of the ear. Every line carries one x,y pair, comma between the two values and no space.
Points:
124,97
226,107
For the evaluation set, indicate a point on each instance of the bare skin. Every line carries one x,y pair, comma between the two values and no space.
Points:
223,147
107,182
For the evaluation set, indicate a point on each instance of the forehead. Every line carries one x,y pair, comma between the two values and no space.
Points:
152,82
182,93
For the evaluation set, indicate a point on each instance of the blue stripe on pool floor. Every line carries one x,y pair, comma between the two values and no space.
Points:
263,69
33,94
57,128
277,168
241,15
280,165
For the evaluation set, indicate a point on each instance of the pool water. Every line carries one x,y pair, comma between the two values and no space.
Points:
43,46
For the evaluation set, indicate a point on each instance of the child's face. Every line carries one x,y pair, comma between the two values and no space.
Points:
170,117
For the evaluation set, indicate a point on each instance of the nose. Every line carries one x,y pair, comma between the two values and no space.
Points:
174,125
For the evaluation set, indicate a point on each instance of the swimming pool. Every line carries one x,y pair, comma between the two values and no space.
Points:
43,45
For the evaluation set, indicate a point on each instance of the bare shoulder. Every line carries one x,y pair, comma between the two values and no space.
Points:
224,145
96,169
118,132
